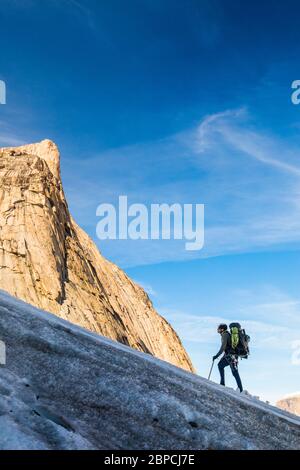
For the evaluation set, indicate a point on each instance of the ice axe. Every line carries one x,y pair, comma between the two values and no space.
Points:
211,369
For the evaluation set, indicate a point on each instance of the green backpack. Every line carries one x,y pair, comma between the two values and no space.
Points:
239,341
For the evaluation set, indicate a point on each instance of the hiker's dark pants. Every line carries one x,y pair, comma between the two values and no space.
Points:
227,361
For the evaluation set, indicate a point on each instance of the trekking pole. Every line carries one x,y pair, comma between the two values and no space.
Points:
211,369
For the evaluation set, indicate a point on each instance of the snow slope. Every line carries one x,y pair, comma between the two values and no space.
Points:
64,387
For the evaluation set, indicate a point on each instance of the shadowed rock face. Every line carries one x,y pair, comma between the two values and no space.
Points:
50,262
291,404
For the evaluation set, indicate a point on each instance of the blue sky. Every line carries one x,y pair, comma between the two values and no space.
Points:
177,101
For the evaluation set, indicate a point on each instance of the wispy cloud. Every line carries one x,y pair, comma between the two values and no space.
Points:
8,137
78,8
202,330
247,178
7,140
82,9
264,149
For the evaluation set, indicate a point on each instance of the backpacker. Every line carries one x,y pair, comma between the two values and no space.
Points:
239,340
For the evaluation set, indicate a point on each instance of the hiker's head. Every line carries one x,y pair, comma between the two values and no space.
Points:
222,328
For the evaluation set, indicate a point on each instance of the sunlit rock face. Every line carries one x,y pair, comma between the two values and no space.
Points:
290,403
47,260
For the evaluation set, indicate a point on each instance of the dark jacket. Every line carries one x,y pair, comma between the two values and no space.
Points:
225,344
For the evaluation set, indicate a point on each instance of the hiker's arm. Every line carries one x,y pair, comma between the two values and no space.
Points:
223,346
